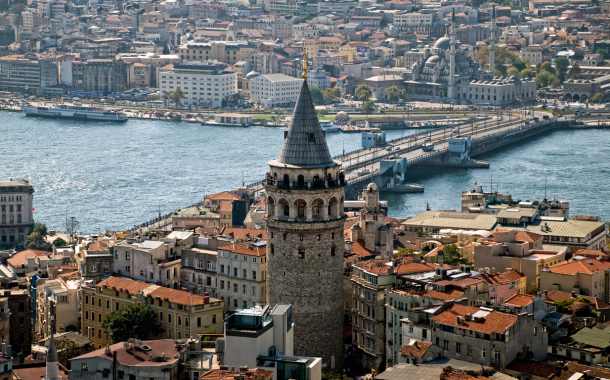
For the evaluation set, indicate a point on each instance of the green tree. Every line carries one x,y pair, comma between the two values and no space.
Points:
405,251
393,93
561,65
575,72
133,321
34,238
166,96
328,95
4,5
337,92
402,94
452,256
41,228
363,92
316,95
177,96
598,98
332,375
546,66
223,104
526,73
513,71
59,242
544,78
603,52
323,112
211,330
531,289
556,83
17,9
368,106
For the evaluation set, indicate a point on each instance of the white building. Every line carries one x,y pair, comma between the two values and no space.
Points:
273,89
318,78
242,274
203,83
57,306
16,215
150,261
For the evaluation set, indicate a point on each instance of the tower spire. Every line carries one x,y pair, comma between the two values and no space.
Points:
52,361
452,88
304,63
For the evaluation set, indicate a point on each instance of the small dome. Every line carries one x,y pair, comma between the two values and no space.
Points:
434,59
372,187
279,41
460,59
233,26
150,54
393,28
443,43
252,74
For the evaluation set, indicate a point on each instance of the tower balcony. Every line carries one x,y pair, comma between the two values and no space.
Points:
327,184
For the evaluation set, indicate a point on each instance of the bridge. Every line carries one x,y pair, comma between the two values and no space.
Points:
390,167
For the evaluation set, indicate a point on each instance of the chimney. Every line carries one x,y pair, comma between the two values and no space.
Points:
206,300
206,294
439,256
243,368
232,368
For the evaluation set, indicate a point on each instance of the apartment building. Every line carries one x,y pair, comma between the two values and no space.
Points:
305,31
16,197
94,259
20,321
108,75
203,83
5,314
369,280
154,261
479,335
588,277
199,271
242,274
274,89
313,45
533,53
182,314
57,306
228,52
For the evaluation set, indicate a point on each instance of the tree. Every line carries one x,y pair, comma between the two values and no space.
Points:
531,289
598,98
393,93
177,96
603,52
59,242
363,92
316,95
332,375
17,9
544,78
526,73
328,95
223,104
452,256
337,92
66,350
482,57
575,72
513,71
368,106
165,49
211,330
556,83
4,5
133,321
561,65
166,97
405,251
546,66
34,238
41,228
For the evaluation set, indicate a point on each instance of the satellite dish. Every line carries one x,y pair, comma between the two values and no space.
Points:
125,344
138,342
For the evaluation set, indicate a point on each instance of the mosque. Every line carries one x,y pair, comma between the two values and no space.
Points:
446,73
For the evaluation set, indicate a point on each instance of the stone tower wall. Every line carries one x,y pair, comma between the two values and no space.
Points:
305,271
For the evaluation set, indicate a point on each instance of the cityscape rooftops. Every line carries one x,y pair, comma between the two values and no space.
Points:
150,353
251,249
483,320
573,267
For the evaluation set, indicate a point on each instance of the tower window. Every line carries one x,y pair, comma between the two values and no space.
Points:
301,253
301,237
332,251
286,180
284,236
272,249
319,237
332,235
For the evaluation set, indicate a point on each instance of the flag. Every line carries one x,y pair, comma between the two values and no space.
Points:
32,208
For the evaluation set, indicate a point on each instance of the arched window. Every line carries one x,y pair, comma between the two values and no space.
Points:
284,236
3,218
301,209
301,180
18,218
286,209
301,253
274,175
286,180
272,249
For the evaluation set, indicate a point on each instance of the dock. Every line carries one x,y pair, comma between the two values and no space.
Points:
403,188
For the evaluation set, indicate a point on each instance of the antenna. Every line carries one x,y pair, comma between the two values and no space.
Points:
545,186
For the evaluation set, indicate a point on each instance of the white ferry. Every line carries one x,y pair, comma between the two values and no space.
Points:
78,112
328,126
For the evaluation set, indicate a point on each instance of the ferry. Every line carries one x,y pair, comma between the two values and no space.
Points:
328,126
78,112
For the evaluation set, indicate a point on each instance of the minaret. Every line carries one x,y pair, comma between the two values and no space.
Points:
452,89
492,42
52,361
304,195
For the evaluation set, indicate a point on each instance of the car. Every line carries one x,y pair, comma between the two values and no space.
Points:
362,172
428,138
456,131
545,117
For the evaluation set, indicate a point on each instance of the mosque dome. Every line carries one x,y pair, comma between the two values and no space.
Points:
233,26
393,27
443,43
434,59
252,74
459,58
279,41
372,187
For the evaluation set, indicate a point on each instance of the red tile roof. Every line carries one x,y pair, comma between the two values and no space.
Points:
594,372
405,267
494,278
494,321
580,266
449,295
513,275
19,258
533,367
361,250
136,357
237,233
223,195
128,285
245,249
520,300
252,374
530,237
452,374
415,349
559,296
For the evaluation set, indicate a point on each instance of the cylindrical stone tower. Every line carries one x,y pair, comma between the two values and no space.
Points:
304,193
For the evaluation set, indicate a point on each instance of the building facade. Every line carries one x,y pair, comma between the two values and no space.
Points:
273,89
17,219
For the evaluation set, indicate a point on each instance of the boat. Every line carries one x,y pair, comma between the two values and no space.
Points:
328,126
78,112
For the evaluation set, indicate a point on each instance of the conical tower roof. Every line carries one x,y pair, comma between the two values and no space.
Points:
52,351
305,143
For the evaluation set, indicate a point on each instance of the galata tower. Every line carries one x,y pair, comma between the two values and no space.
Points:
304,193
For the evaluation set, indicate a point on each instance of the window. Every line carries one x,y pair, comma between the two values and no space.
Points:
116,306
99,317
482,353
222,284
161,316
458,348
84,367
301,253
213,318
245,272
107,304
198,321
245,289
535,331
446,344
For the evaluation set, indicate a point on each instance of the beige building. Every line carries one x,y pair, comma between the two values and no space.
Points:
196,216
154,261
57,306
242,274
17,221
533,53
585,276
182,314
316,44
